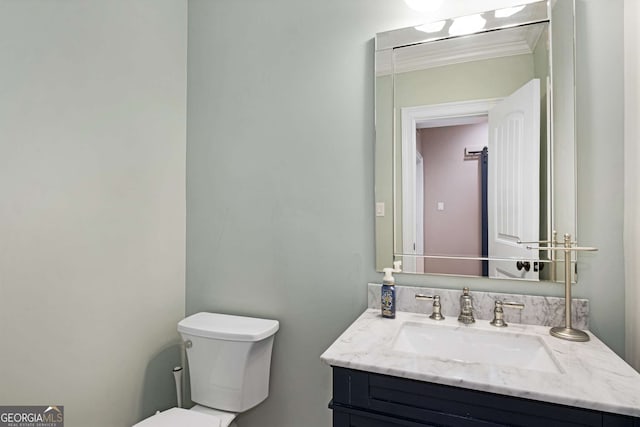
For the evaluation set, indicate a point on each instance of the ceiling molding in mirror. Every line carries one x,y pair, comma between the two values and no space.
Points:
475,147
489,45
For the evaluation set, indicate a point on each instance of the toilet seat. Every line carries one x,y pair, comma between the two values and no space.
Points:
188,418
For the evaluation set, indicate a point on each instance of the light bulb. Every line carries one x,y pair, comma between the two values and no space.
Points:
467,25
431,27
424,5
508,11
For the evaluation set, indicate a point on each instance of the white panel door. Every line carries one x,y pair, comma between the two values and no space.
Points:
514,182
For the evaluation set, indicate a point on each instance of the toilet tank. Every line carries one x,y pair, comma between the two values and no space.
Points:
229,359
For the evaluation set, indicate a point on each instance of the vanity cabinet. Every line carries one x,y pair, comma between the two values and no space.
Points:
363,399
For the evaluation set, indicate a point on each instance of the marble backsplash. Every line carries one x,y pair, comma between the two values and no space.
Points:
538,310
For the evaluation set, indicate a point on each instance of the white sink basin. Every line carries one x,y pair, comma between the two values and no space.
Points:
473,345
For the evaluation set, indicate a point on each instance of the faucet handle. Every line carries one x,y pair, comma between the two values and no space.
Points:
498,312
437,308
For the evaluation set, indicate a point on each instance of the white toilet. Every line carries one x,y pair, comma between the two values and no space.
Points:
229,364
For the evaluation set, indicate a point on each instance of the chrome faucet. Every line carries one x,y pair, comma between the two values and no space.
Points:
466,308
437,312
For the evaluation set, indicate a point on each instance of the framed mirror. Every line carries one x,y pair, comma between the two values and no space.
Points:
475,143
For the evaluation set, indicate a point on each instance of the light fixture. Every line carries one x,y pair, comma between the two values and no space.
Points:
467,25
431,27
424,5
508,11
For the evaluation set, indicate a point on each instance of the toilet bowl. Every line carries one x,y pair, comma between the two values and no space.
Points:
229,366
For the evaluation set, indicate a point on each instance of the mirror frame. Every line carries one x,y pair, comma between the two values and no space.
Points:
562,215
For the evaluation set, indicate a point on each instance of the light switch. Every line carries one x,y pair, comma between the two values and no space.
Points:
380,209
440,206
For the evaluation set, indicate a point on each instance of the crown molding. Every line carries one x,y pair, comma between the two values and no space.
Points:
495,44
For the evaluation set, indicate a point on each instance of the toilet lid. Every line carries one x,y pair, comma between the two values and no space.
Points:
180,417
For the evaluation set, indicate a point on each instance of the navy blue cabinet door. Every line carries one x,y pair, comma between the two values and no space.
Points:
363,399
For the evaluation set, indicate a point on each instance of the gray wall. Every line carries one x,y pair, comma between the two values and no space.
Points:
600,137
283,227
92,202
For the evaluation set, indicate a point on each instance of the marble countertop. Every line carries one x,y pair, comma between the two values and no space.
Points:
592,376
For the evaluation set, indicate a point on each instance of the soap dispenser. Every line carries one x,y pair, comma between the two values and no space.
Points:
388,292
